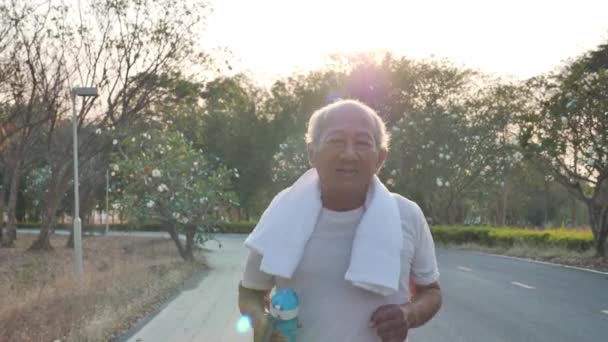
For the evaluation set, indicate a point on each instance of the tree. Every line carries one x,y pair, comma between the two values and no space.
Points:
164,179
29,91
567,133
122,47
493,111
16,157
236,130
437,148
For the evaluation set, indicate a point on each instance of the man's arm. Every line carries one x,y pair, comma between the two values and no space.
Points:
425,304
426,298
253,303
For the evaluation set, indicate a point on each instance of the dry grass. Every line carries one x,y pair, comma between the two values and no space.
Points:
125,277
553,254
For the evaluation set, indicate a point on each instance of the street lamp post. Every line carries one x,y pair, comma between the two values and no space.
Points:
107,201
83,92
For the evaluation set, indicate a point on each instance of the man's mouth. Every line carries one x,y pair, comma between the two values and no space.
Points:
346,171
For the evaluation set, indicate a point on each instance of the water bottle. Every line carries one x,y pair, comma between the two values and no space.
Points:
284,307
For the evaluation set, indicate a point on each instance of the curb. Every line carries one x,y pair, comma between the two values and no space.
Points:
542,262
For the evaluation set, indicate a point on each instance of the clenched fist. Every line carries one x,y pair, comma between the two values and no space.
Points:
391,322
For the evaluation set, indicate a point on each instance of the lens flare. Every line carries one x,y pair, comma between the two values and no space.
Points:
243,325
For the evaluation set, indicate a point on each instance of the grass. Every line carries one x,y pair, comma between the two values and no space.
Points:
554,254
125,278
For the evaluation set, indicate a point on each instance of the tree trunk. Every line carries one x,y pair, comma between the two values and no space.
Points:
463,213
190,231
431,211
574,222
598,217
2,205
503,209
448,211
55,189
11,227
43,242
546,207
183,251
600,246
70,243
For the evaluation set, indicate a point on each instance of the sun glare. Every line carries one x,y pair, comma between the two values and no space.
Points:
518,37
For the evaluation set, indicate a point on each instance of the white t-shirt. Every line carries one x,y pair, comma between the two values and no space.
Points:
331,308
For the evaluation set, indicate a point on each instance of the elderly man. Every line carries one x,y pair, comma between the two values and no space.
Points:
347,246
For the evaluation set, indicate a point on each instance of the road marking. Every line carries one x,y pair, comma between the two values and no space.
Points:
523,285
465,269
605,311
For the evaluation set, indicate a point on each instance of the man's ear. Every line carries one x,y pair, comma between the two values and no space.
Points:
382,155
310,150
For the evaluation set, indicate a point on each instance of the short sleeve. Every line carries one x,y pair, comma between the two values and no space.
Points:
253,278
424,268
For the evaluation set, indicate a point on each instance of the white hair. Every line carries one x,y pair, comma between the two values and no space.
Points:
318,121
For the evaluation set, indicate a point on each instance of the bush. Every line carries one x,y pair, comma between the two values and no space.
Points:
573,240
460,235
29,225
507,237
241,227
122,227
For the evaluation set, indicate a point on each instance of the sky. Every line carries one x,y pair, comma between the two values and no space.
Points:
516,38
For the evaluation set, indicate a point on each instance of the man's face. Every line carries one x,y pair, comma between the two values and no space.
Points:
347,155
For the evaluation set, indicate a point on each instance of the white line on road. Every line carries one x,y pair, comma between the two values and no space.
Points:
605,311
523,285
465,268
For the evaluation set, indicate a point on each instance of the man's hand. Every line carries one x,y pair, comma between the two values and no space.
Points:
260,327
277,337
391,322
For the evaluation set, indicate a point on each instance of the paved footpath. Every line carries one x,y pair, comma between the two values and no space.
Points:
208,311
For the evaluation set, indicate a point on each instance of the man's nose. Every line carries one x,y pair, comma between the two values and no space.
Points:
349,152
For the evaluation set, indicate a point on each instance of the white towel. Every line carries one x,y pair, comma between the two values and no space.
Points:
285,227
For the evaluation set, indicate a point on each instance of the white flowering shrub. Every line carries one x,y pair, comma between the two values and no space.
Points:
163,179
438,158
290,162
35,187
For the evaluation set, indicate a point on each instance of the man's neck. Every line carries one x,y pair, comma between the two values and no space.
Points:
342,201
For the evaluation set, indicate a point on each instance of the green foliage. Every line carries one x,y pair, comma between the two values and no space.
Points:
507,237
235,129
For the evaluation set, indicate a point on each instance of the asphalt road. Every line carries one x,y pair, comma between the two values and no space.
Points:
486,298
489,298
